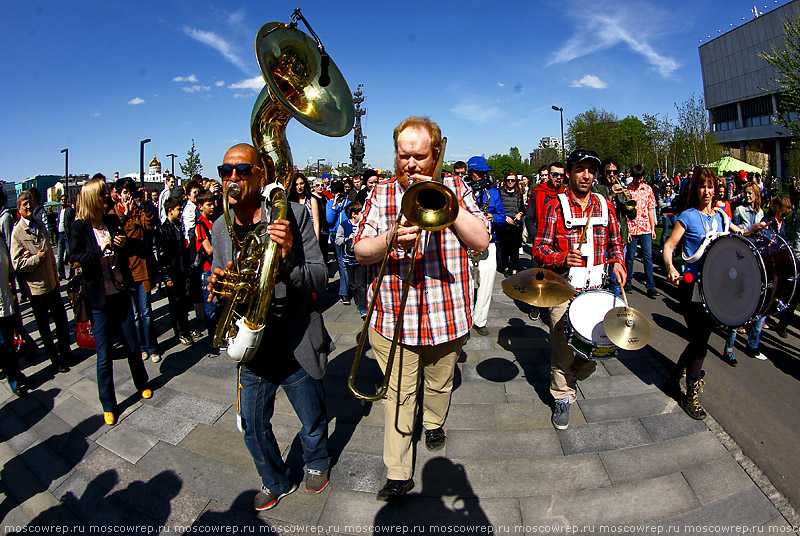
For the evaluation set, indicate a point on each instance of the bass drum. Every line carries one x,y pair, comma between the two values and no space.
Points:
742,278
584,324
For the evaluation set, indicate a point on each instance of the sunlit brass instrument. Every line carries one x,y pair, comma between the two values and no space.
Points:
431,206
630,203
301,82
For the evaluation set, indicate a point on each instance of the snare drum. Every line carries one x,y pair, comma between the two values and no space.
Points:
584,324
742,278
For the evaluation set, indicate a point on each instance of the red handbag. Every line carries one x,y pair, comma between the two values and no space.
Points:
85,337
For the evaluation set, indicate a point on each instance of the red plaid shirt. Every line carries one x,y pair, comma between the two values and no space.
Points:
554,240
439,307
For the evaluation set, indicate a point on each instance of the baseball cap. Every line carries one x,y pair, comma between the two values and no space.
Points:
478,163
579,155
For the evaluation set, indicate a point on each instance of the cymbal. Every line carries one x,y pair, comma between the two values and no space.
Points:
627,328
538,287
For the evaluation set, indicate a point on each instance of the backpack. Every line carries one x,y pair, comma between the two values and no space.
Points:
197,258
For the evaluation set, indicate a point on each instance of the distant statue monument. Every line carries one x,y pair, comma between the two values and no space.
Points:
357,149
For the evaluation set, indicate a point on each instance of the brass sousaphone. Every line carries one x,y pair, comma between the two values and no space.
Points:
302,82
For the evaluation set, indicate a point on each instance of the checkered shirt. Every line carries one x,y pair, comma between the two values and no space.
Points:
554,240
439,307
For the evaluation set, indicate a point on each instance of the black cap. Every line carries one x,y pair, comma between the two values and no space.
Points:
579,155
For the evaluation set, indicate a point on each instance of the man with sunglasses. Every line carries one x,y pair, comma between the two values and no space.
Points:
610,187
558,247
642,230
293,352
541,195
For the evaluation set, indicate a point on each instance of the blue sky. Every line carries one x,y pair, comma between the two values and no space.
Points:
97,76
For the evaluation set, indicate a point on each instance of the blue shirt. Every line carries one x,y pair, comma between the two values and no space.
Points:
495,208
694,223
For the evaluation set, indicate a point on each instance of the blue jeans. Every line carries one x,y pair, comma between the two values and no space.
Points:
258,404
117,312
143,320
344,284
614,286
646,240
753,337
63,253
210,308
669,221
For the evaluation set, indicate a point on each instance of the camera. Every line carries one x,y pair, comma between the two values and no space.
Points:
483,184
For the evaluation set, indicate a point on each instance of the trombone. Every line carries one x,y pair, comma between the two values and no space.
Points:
431,206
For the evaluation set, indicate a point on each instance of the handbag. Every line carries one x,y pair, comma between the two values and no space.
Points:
77,297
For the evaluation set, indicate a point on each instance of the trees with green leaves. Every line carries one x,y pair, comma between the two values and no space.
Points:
595,130
192,165
694,142
786,62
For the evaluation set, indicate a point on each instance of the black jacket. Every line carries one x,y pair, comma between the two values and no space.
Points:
173,254
84,249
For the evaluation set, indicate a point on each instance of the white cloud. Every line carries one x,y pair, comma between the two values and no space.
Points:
473,109
239,95
219,83
217,43
95,114
612,26
589,80
255,83
191,78
195,88
136,101
501,84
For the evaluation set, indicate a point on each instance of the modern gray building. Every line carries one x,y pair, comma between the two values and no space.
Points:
736,82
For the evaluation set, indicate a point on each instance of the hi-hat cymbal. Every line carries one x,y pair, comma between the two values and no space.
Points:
627,328
538,287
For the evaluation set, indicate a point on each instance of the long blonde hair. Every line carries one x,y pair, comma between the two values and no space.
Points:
91,202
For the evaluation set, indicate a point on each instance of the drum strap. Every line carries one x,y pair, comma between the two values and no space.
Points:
711,234
591,275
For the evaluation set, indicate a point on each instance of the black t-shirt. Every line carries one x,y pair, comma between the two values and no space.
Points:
274,360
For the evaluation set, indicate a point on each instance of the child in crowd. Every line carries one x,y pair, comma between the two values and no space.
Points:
356,273
173,256
202,229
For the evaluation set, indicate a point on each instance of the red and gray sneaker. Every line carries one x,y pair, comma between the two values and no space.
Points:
316,480
266,499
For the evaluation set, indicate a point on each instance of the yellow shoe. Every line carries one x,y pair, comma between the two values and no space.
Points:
147,393
110,418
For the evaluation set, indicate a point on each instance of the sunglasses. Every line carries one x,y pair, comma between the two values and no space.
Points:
511,180
243,171
557,174
612,172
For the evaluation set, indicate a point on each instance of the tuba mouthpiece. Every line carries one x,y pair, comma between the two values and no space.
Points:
234,190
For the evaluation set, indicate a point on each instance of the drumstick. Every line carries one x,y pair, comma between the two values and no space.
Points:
624,296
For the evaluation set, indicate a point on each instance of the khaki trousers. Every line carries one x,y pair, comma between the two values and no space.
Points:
565,367
434,364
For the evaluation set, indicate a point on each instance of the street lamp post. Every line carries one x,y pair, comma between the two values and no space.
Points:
173,155
561,111
141,159
318,168
65,152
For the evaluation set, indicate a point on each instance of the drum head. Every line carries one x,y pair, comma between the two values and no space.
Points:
586,313
731,277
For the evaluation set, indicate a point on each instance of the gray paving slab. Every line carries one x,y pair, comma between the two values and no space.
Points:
659,459
517,391
479,393
192,407
717,480
671,425
349,511
221,390
218,444
358,472
627,504
162,496
496,369
471,417
615,386
47,466
89,499
626,407
502,444
522,415
603,436
86,391
357,440
734,515
81,417
127,442
207,477
161,424
16,432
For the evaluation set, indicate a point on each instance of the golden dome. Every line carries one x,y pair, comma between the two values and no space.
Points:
155,162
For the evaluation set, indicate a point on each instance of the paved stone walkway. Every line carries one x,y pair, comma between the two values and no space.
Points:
630,458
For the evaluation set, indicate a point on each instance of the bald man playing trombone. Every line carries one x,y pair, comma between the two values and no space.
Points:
438,312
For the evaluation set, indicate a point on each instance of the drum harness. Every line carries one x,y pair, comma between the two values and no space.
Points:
591,275
711,234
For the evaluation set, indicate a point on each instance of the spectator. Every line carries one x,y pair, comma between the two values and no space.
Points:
300,192
335,216
356,273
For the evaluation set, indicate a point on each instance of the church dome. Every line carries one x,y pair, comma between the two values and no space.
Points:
154,162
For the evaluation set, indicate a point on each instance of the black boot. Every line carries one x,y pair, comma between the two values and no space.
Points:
691,403
673,386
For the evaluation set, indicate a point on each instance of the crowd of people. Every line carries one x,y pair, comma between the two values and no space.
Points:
585,219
